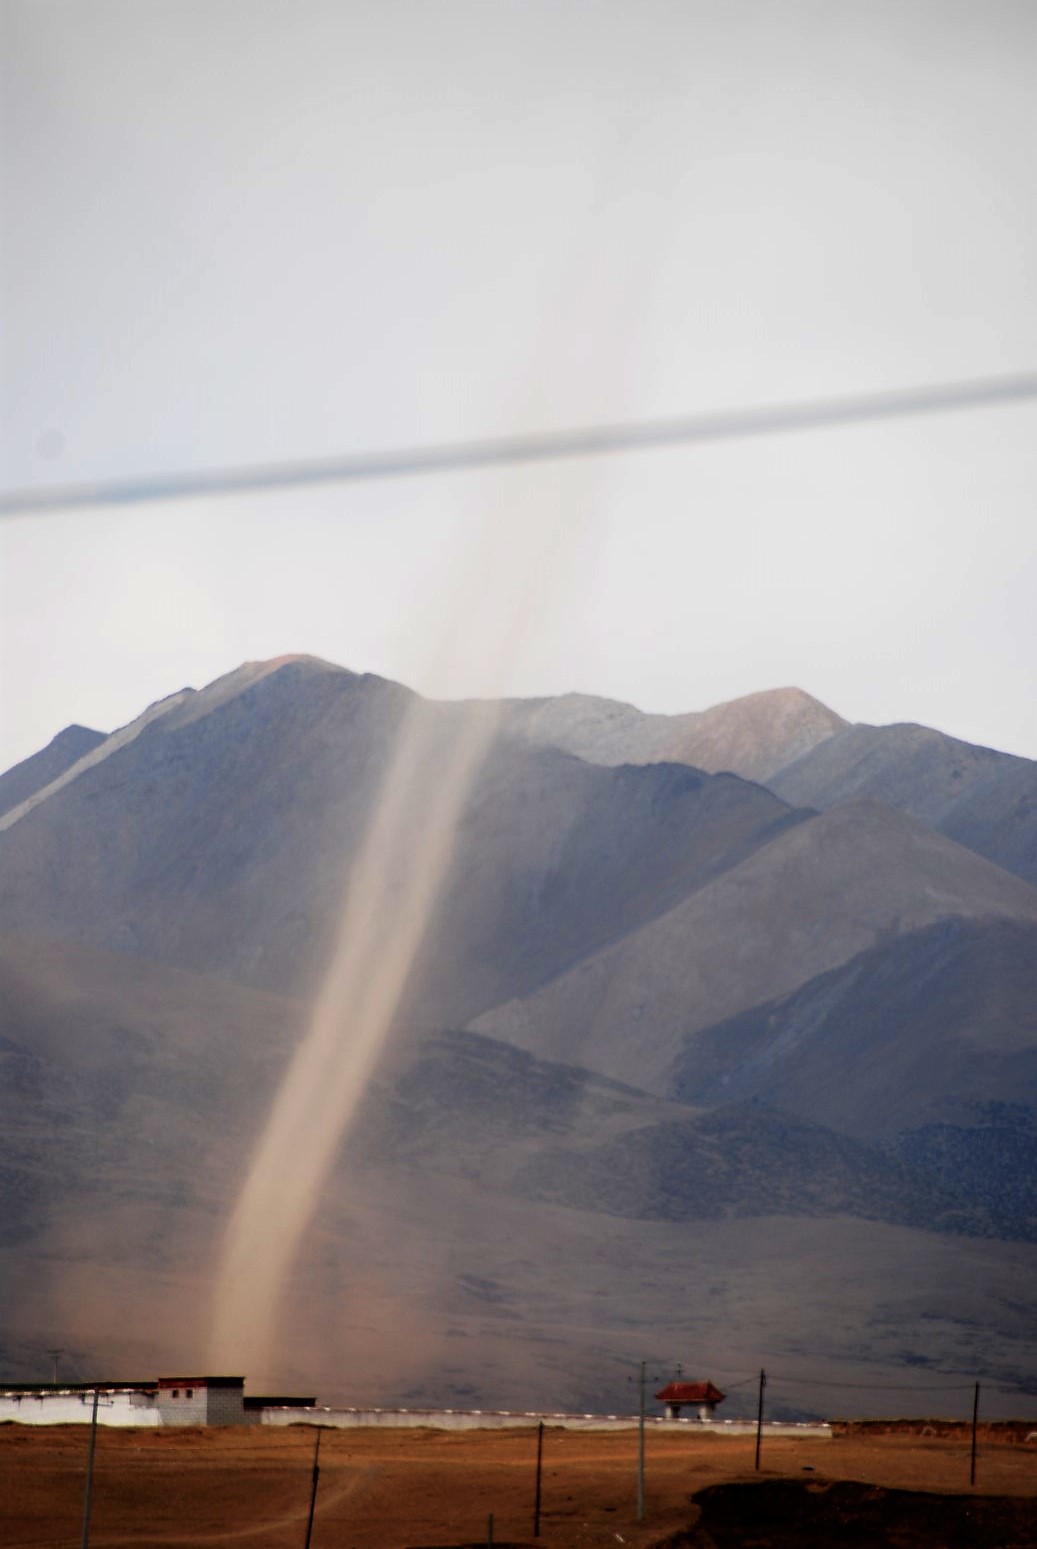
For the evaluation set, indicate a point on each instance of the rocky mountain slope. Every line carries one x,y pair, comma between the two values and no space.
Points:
218,836
935,1023
499,1230
811,757
17,785
689,1066
813,898
754,737
984,799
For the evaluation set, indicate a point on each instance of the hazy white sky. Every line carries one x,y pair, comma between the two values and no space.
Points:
239,232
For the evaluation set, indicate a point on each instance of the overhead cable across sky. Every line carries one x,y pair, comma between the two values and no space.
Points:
591,441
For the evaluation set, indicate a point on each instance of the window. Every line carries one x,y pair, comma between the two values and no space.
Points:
176,1392
190,1393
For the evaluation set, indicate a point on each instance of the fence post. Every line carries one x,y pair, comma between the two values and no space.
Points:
759,1416
641,1451
313,1488
536,1502
89,1492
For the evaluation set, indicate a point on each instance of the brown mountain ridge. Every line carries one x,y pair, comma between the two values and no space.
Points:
666,1018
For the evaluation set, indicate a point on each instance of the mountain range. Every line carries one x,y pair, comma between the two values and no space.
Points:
722,1048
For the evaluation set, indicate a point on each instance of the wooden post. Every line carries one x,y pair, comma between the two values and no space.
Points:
759,1416
536,1499
89,1492
975,1417
313,1489
641,1451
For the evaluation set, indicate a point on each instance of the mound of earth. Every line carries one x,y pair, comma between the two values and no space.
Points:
822,1514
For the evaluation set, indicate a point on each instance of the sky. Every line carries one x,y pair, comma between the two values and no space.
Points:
239,233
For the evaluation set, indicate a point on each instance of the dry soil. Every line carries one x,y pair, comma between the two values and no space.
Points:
381,1489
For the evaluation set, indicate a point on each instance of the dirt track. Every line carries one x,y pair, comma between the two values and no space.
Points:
177,1489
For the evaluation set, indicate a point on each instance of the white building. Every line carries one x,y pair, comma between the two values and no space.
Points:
204,1400
201,1401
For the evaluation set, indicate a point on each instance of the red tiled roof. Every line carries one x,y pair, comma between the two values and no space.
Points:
690,1393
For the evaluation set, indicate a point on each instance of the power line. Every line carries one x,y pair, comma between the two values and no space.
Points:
874,1387
592,441
792,1378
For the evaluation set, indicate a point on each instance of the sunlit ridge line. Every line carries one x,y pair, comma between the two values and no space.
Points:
595,440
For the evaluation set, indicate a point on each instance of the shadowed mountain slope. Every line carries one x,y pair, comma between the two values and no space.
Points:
811,757
499,1229
120,1082
557,859
218,839
846,996
999,818
982,798
460,1103
812,899
191,840
46,766
914,1030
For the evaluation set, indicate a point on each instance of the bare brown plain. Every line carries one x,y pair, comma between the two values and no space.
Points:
183,1489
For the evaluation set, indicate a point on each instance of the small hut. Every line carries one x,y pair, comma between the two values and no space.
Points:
703,1395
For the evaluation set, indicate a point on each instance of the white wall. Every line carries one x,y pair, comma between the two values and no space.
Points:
121,1408
182,1410
130,1408
487,1419
226,1406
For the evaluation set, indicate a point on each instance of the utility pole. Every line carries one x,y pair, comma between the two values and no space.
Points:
313,1488
88,1494
759,1416
55,1355
536,1498
975,1417
641,1450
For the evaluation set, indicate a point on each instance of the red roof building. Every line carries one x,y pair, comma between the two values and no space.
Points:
702,1394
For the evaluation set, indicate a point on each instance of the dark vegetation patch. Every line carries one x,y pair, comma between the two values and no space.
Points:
991,1164
817,1514
743,1160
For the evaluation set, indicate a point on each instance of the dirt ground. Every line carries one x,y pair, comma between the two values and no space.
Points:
381,1489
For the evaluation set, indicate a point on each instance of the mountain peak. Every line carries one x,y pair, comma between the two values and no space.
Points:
295,659
33,774
753,736
789,697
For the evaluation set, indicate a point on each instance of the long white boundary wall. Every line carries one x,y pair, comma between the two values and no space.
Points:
500,1419
131,1407
120,1407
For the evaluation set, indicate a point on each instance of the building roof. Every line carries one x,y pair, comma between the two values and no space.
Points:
281,1401
690,1393
201,1382
77,1387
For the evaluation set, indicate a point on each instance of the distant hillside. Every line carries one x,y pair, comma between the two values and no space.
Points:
218,836
753,737
810,900
940,1016
499,1229
984,799
811,757
687,1065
